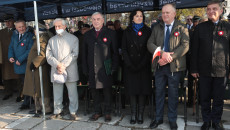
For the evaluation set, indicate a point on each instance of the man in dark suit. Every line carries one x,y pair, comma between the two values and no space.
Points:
210,63
172,37
99,61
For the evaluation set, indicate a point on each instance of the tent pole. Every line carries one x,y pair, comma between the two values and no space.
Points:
104,9
38,47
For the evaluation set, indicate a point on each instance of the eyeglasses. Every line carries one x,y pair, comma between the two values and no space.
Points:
189,19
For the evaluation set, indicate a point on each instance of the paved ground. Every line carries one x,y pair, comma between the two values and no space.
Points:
13,118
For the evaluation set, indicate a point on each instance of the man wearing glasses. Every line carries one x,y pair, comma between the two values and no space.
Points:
189,23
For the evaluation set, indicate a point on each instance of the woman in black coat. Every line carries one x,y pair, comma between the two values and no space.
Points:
137,64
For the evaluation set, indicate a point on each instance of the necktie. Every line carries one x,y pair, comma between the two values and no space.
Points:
189,26
20,37
166,41
97,33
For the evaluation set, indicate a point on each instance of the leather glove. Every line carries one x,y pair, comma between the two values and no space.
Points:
32,66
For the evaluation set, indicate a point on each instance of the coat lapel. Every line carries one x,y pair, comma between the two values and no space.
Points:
162,34
173,28
102,33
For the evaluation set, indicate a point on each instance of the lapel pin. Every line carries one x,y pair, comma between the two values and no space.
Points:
105,39
139,33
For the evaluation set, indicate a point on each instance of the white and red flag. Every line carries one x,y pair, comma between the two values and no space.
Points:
156,53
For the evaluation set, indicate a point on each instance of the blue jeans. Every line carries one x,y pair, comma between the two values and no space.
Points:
163,77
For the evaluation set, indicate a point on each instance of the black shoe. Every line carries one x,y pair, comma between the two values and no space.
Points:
95,117
18,99
140,119
7,97
155,123
23,107
217,126
173,125
34,112
133,119
206,126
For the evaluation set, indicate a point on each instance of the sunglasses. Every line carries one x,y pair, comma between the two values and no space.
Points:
189,19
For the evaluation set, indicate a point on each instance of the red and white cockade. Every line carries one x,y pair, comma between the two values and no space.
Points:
176,34
139,33
221,33
105,39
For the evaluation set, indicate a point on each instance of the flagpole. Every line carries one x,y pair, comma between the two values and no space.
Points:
38,48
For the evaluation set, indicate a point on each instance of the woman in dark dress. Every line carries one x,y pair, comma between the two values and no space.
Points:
137,64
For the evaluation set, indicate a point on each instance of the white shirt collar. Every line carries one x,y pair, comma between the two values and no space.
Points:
216,22
170,24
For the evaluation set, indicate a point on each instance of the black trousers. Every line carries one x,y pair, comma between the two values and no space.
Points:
212,88
98,96
10,86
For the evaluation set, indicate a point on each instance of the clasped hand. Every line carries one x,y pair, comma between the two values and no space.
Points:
61,68
165,58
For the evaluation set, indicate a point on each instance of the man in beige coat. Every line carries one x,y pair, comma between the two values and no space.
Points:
32,81
61,53
10,79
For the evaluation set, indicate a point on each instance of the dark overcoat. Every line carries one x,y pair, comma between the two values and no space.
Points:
7,67
33,80
96,50
210,49
137,61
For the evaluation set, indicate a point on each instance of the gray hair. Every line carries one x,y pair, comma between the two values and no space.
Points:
20,21
97,13
60,19
216,2
172,4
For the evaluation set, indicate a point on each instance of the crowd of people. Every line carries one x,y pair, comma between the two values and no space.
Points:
93,56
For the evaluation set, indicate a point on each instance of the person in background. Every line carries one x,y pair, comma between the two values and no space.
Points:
210,63
159,19
79,25
137,64
32,79
228,17
119,32
62,53
19,48
173,38
189,23
99,62
72,30
10,79
110,25
82,78
195,20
